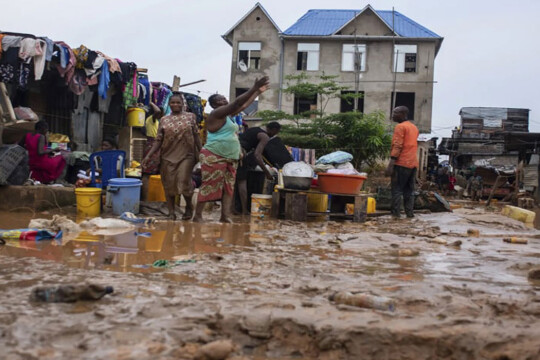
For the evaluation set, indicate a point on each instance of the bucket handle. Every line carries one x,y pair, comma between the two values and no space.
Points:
113,189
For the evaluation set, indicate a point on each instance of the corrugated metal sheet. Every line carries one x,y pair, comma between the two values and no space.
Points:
326,22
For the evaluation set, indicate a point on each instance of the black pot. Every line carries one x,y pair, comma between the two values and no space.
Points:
297,183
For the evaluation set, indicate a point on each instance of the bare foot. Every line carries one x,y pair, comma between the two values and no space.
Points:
197,219
172,217
226,220
188,214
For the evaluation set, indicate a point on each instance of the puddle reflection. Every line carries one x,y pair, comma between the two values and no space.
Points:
129,251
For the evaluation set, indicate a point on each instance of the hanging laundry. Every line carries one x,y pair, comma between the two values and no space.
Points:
94,67
113,64
9,64
194,105
143,81
67,71
22,75
103,86
129,98
160,93
81,54
78,82
34,49
11,41
50,49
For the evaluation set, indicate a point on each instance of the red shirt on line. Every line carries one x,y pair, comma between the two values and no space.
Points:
405,145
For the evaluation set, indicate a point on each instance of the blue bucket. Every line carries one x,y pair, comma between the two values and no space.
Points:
125,195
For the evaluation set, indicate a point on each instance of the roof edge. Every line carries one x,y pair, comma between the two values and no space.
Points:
257,5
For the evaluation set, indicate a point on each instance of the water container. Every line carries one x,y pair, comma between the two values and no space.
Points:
155,189
125,195
261,204
88,202
135,117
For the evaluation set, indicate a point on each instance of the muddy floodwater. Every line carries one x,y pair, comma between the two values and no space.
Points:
265,286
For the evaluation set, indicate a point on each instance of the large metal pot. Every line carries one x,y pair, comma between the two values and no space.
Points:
297,183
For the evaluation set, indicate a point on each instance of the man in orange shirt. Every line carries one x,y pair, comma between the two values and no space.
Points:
403,162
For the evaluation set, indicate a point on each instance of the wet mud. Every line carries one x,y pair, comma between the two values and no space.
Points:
260,290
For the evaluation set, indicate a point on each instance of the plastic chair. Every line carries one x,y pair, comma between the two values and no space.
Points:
109,166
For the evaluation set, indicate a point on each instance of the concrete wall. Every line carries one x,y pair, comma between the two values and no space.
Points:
377,80
367,23
262,30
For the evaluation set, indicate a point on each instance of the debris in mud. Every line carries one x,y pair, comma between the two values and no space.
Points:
407,252
69,293
101,223
363,300
534,274
473,232
456,243
57,223
515,240
216,350
439,240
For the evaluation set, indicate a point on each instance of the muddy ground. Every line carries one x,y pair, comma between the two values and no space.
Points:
265,284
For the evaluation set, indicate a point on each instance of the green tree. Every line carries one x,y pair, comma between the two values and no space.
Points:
365,136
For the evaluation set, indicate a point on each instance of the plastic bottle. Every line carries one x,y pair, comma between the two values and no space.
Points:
515,240
363,300
70,293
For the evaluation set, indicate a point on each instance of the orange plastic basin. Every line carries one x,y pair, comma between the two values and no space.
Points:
341,184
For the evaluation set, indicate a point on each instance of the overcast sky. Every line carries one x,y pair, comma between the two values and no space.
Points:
489,57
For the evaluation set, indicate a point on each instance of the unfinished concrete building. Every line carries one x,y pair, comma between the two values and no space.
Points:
373,52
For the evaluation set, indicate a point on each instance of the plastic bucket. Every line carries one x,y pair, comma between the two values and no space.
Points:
155,189
135,117
317,202
125,195
261,204
371,206
88,202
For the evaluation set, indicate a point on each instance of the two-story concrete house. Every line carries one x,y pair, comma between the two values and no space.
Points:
375,52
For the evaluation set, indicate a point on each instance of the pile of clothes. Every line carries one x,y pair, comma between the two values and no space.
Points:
338,162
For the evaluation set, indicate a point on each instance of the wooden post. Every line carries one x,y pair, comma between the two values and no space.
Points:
494,188
274,211
295,206
176,83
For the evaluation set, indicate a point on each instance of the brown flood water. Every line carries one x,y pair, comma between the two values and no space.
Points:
265,285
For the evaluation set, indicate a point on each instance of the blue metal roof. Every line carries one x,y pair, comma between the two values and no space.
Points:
327,22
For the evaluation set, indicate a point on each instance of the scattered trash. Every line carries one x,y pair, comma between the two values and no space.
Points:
363,300
29,234
220,240
132,218
439,240
70,293
101,223
164,264
216,350
407,252
534,274
519,214
140,266
473,232
515,240
143,234
57,223
456,243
